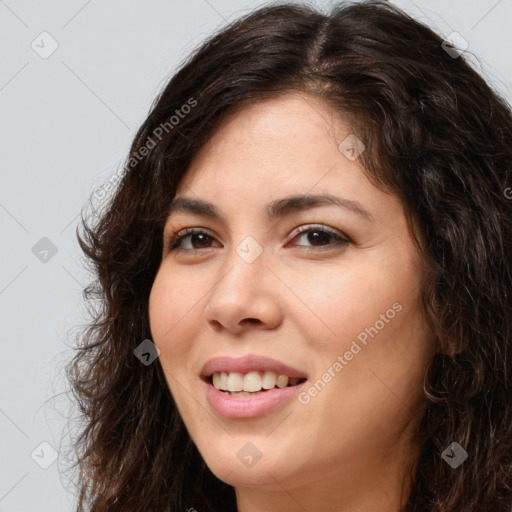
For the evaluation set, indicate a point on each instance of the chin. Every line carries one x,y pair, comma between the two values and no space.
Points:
244,477
236,472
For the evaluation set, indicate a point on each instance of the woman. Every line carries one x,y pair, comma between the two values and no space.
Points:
305,280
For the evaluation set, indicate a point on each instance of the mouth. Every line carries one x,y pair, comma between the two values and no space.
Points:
250,386
238,402
251,383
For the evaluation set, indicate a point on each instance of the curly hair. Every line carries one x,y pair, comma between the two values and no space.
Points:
437,136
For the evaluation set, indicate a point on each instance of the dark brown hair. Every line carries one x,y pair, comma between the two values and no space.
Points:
436,135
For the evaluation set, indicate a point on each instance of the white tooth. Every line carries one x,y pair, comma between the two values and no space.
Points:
282,381
269,380
252,381
222,381
235,381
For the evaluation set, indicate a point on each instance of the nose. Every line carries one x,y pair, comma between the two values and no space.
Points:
245,296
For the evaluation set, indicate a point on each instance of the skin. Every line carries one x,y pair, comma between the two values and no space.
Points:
304,302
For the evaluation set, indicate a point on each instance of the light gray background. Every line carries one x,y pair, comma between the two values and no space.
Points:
66,125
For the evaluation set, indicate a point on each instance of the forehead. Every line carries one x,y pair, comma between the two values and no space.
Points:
293,138
275,149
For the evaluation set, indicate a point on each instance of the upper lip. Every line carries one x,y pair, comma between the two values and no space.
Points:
248,363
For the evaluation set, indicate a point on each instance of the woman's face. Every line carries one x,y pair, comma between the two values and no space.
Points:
344,315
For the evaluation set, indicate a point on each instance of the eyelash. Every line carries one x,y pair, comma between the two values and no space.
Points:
178,238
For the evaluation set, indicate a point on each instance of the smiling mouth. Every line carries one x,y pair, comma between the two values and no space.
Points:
250,383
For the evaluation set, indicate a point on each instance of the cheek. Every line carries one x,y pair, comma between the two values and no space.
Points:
170,306
371,316
170,310
378,355
172,298
341,304
160,305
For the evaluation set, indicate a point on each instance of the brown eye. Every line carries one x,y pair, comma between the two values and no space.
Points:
198,238
320,236
317,236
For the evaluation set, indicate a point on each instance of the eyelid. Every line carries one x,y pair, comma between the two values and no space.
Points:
320,227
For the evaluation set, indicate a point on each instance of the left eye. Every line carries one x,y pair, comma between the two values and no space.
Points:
318,236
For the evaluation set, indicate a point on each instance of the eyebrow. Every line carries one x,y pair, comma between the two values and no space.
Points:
276,209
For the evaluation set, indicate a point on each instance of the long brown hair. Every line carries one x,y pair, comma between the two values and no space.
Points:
436,135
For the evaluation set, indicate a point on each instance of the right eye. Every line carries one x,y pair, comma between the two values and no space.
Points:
194,234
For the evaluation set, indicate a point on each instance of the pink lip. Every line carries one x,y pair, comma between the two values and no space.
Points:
245,407
247,363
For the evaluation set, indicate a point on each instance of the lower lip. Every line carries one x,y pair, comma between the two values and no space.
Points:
244,407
